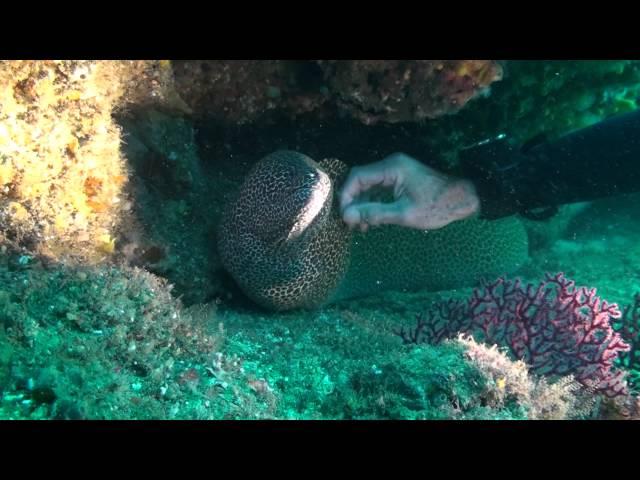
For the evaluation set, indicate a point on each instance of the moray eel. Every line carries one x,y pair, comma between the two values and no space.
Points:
284,243
281,239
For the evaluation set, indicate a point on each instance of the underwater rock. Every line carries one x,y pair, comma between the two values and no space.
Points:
407,90
511,382
104,342
243,91
61,171
540,97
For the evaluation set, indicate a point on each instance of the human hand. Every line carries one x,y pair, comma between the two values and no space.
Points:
423,198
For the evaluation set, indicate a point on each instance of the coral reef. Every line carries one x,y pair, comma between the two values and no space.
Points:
621,408
436,383
557,97
554,327
406,90
342,363
113,343
61,172
106,166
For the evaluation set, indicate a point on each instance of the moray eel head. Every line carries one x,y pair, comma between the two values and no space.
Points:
301,204
281,238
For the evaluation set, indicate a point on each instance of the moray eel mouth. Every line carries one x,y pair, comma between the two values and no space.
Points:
313,197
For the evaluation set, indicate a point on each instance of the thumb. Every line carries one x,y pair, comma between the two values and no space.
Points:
372,213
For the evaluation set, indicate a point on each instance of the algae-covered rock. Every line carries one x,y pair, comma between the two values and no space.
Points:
112,343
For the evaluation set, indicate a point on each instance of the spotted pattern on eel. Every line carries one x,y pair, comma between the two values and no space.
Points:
283,241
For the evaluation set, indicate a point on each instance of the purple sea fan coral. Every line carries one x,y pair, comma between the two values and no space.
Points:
554,327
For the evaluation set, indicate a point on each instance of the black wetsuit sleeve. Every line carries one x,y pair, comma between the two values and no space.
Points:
598,161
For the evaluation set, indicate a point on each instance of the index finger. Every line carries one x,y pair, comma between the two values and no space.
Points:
361,179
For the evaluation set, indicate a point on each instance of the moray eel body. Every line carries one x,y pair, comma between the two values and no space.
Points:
283,241
390,257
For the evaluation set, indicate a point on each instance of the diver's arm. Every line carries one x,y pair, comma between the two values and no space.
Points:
598,161
499,179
